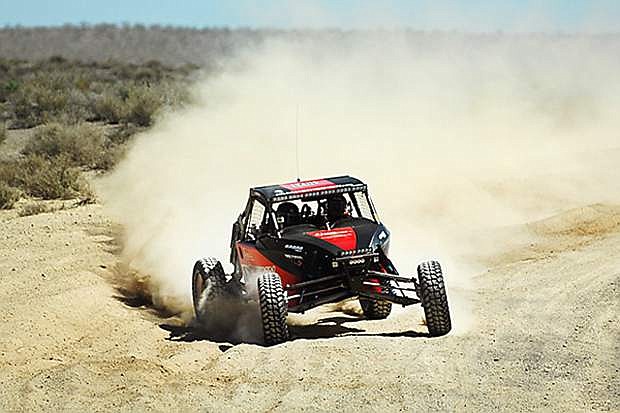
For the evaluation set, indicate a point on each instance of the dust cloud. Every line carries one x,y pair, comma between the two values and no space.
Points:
456,135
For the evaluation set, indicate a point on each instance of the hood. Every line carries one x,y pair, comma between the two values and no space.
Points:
362,235
343,238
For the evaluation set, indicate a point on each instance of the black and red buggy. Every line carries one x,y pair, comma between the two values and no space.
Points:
306,243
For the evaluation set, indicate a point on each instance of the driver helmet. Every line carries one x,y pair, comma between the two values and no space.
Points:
336,207
288,214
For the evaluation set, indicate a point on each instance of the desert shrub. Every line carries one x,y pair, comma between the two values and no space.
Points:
40,100
174,95
8,170
8,195
25,111
121,134
78,108
112,155
2,133
138,104
42,177
108,108
83,144
33,209
46,178
7,88
59,90
56,60
142,104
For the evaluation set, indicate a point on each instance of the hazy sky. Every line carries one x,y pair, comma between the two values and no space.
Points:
468,15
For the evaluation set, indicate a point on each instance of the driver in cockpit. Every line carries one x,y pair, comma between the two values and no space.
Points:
336,209
287,214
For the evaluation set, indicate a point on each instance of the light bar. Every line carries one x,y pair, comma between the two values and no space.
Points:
312,193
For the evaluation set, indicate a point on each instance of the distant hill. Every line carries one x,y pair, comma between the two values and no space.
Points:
132,44
176,46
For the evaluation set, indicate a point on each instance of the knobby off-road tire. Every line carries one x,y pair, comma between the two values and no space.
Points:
375,309
208,286
273,308
432,293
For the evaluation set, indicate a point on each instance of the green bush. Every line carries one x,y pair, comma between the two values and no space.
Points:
8,195
83,144
8,88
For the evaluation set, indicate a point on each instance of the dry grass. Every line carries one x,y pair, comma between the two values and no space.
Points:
2,133
69,92
83,144
8,195
51,179
108,107
45,178
141,106
34,209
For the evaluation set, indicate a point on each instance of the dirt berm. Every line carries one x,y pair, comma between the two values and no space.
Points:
545,334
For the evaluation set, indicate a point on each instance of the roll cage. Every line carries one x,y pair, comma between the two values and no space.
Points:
259,218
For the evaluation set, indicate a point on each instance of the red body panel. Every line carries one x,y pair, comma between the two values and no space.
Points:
251,259
343,238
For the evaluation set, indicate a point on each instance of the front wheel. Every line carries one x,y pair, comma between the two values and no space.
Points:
208,286
432,293
273,309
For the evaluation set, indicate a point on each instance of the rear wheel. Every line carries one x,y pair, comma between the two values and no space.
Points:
432,293
208,286
377,309
273,308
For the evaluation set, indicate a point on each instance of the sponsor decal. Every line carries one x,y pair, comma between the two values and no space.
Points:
293,257
343,238
296,248
254,263
309,185
382,235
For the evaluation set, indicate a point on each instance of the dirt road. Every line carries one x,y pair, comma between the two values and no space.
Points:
546,334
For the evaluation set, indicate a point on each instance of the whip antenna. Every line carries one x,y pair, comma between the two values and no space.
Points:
297,141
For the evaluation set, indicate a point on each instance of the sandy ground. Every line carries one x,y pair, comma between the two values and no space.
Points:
546,335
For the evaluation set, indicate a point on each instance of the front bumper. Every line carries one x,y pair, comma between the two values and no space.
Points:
354,278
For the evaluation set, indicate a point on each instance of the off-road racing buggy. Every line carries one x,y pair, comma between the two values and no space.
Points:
313,242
